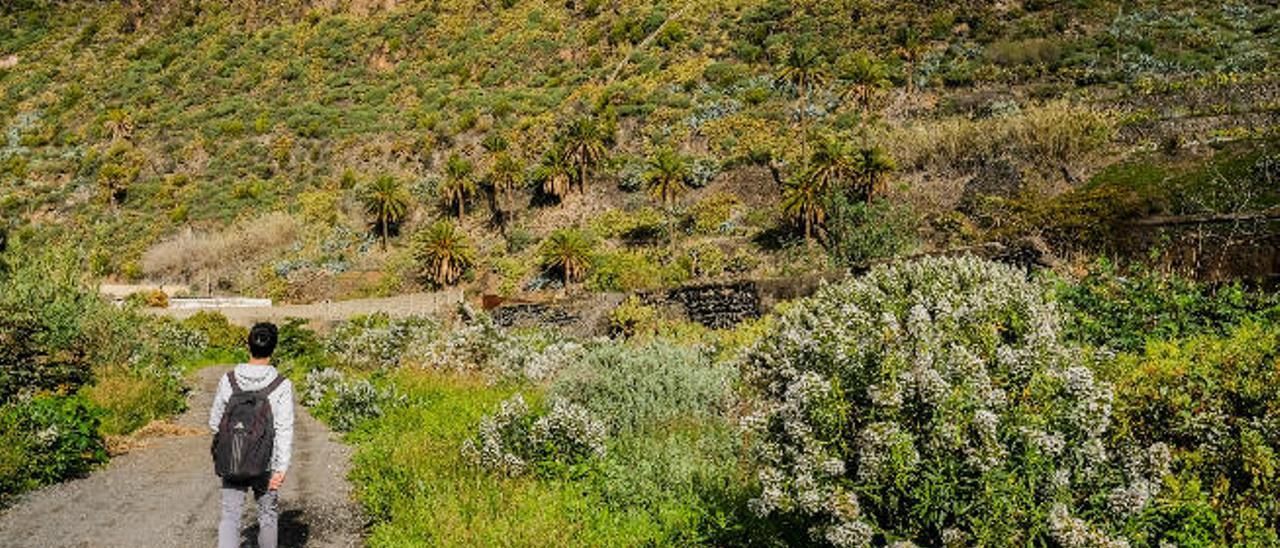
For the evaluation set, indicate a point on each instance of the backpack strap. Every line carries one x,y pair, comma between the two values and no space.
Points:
275,383
235,386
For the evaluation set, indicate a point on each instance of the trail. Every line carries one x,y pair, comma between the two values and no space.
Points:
165,493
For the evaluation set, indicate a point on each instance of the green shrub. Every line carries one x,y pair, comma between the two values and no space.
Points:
47,328
130,400
1215,399
858,233
1124,311
47,439
934,402
633,388
217,330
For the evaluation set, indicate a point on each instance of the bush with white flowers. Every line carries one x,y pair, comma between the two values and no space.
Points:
378,341
515,439
354,402
934,402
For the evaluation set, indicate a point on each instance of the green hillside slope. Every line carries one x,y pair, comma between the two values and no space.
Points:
235,144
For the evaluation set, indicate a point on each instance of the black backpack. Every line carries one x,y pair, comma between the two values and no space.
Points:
246,436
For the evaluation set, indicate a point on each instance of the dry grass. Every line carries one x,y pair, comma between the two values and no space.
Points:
193,254
156,429
1053,136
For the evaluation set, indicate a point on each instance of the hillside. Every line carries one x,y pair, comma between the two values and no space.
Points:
623,145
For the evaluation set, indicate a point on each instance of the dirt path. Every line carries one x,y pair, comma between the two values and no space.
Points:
165,494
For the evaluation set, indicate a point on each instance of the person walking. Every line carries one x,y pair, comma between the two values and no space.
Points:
252,422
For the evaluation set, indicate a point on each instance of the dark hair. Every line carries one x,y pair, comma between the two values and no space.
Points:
262,340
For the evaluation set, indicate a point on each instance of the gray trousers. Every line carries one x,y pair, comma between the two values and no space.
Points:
233,495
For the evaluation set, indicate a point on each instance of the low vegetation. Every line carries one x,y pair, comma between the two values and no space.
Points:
897,406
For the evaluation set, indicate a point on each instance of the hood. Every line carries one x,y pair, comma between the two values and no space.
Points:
253,377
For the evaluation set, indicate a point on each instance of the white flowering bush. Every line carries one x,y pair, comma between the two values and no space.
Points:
516,440
481,346
934,402
319,383
354,402
377,341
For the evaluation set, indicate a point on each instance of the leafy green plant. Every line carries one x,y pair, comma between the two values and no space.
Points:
1124,310
634,388
1213,399
47,439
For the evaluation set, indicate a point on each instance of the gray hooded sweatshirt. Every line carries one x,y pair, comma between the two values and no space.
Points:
255,377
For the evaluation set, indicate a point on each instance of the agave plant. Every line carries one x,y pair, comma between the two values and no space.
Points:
459,186
387,200
569,252
444,252
668,175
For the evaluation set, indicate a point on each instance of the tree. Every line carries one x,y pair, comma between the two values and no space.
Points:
458,186
120,169
865,75
584,143
832,165
570,252
873,164
668,175
556,173
802,201
444,252
387,200
505,176
804,70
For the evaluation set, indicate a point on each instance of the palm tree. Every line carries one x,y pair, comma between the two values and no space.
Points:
570,252
668,176
802,200
584,143
832,165
873,164
804,70
557,173
444,252
387,200
505,176
865,75
458,186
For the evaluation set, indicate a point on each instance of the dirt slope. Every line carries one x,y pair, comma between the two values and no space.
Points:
165,494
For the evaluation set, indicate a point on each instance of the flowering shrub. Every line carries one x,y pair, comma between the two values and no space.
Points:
481,346
635,387
377,341
934,402
354,402
515,440
318,384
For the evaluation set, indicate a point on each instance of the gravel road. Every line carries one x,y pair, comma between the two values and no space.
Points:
165,493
